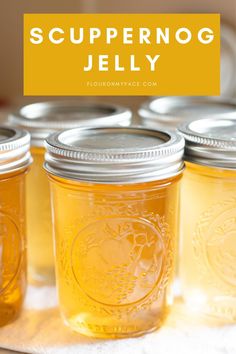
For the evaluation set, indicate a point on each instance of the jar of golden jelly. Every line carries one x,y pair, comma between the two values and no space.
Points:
14,161
169,112
115,216
42,119
208,208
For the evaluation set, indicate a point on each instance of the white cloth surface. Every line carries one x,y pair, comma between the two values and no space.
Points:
41,330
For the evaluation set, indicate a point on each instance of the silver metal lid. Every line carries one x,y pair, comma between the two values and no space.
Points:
169,112
211,141
14,149
45,118
114,155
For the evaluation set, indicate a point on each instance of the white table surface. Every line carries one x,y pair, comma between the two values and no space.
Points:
40,330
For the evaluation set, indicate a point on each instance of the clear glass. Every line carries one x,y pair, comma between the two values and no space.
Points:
12,245
208,241
39,224
115,253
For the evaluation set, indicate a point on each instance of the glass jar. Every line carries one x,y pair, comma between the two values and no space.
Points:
14,161
115,216
208,218
169,112
42,119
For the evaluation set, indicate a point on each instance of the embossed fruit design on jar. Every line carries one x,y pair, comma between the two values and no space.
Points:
15,159
115,216
42,119
208,220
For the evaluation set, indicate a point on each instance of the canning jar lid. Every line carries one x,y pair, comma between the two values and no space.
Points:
14,149
114,155
44,118
172,111
211,141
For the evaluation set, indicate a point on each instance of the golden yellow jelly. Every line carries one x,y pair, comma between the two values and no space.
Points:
42,119
12,246
15,157
115,241
40,255
208,248
208,218
115,250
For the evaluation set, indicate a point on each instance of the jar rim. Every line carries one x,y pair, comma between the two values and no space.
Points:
210,141
174,110
76,154
14,147
44,118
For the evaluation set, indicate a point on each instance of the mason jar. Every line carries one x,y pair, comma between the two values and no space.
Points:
115,198
42,119
208,218
14,161
169,112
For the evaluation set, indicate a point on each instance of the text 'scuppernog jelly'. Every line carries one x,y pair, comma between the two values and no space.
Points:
114,200
14,161
42,119
208,208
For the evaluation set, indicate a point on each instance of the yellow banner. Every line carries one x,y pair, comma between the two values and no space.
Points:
121,54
